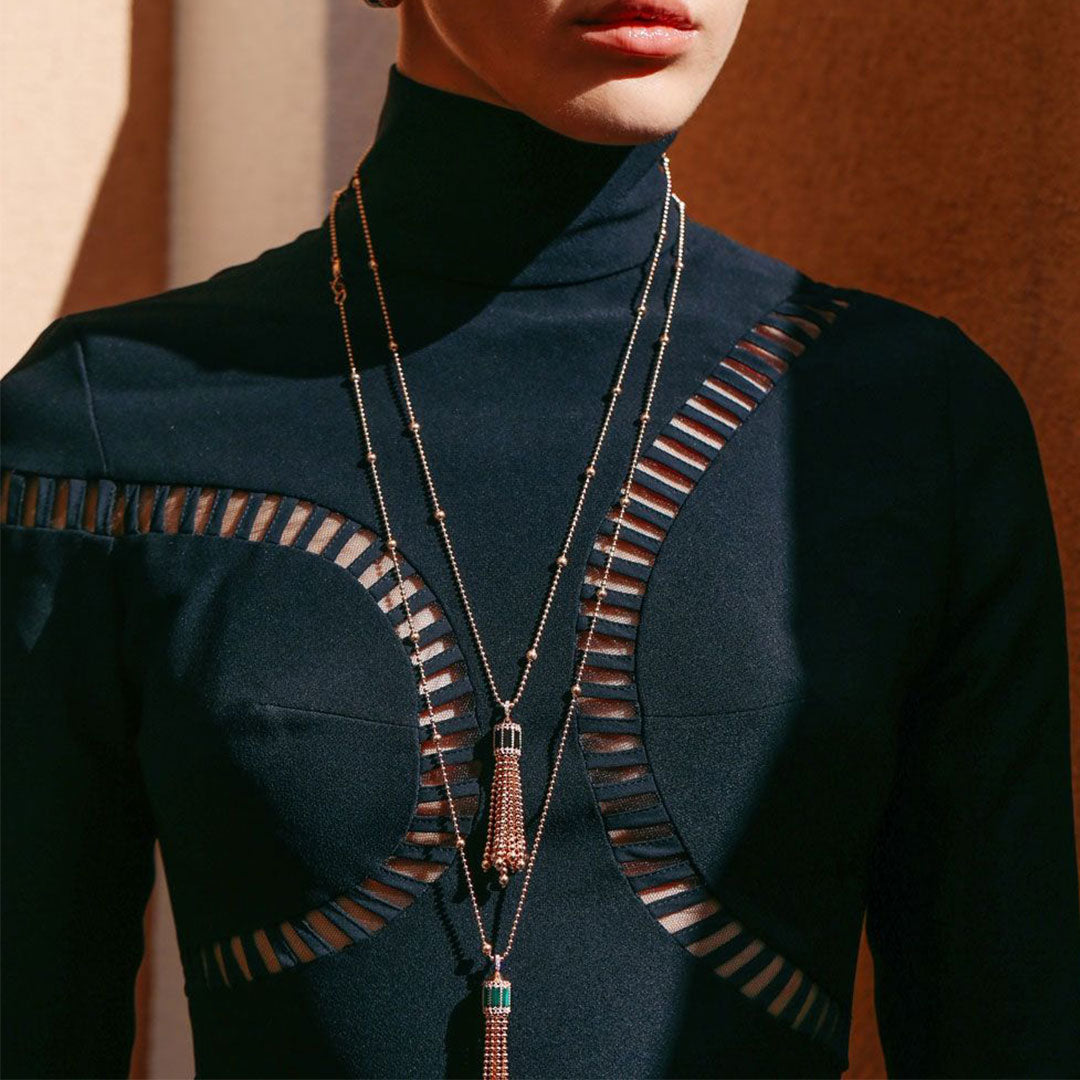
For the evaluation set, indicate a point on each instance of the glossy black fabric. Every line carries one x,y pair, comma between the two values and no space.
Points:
850,661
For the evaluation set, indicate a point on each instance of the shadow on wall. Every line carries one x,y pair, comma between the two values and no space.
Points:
124,248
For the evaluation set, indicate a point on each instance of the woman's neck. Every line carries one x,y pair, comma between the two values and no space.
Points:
461,188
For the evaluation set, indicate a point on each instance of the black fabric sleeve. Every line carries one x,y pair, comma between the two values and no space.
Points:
973,916
77,833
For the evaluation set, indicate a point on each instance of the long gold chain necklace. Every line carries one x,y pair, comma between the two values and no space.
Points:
505,847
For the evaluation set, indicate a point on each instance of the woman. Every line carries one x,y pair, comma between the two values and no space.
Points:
807,657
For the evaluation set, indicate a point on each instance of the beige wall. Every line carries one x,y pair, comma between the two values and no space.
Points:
248,120
274,101
927,151
64,81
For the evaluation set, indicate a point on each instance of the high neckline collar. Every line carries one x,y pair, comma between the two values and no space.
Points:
464,189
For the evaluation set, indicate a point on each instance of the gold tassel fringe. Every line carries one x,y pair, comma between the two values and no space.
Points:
505,847
496,1021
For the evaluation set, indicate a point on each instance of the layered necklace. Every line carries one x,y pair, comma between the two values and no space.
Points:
505,848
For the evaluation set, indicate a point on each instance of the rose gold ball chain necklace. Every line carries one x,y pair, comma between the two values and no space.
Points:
505,848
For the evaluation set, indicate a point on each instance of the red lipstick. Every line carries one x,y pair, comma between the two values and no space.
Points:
650,28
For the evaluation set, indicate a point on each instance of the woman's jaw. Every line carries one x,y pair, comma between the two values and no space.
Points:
601,71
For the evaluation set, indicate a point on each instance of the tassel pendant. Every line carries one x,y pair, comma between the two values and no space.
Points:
496,1020
505,847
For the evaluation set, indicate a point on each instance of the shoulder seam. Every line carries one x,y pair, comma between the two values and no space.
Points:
87,388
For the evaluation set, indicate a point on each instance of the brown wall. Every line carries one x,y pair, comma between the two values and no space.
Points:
124,249
929,152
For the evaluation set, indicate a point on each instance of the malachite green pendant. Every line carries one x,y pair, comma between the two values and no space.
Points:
496,1005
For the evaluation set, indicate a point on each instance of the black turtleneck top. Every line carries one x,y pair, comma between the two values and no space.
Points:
828,677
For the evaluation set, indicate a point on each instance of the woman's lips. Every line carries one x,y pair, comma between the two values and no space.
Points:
639,38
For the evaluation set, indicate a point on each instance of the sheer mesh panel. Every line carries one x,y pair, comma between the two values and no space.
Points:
395,897
297,520
805,325
612,708
369,920
453,741
301,950
174,506
635,867
779,1003
90,501
633,524
116,518
334,936
448,710
689,916
616,582
58,519
29,510
325,533
729,967
611,613
604,643
724,393
610,743
712,410
220,959
699,432
203,505
414,868
441,807
427,653
754,986
770,359
234,511
442,838
651,500
628,802
755,378
626,551
393,597
665,474
606,677
672,888
454,772
263,516
241,959
376,571
637,836
266,951
704,946
423,617
619,774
